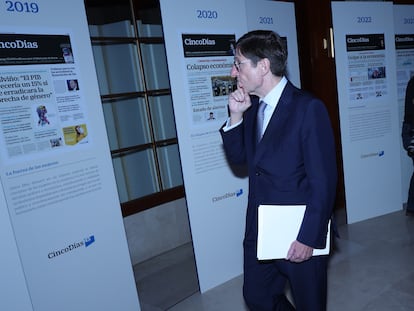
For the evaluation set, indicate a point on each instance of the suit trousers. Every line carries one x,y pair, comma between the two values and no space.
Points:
265,282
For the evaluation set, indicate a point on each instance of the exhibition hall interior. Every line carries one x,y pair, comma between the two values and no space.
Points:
369,267
158,110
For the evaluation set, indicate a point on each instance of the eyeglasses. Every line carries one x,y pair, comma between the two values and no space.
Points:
237,64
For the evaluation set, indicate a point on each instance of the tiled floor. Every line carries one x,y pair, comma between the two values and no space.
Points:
372,268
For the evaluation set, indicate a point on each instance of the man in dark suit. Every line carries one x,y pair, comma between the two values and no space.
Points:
408,139
292,163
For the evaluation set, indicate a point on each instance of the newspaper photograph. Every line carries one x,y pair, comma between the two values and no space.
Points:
366,66
208,61
40,95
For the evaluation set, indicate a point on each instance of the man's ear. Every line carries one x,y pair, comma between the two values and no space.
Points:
264,65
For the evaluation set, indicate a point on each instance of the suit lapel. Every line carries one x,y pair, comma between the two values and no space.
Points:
275,127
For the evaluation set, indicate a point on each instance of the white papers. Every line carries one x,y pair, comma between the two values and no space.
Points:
278,227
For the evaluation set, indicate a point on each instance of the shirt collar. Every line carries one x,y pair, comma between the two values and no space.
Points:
272,98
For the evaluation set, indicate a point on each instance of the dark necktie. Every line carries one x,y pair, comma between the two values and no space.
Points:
260,118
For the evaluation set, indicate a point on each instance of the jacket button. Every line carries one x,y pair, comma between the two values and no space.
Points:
257,173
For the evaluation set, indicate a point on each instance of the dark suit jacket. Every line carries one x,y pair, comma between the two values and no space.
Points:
294,163
408,123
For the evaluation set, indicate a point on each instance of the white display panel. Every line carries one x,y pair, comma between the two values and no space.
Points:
404,44
279,17
198,37
55,165
370,129
15,296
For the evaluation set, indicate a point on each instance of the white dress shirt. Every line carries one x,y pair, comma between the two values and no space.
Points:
271,99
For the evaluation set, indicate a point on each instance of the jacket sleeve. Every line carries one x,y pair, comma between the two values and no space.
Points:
408,122
233,144
406,134
321,172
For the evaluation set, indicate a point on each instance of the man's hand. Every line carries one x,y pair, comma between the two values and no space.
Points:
410,149
299,252
239,102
